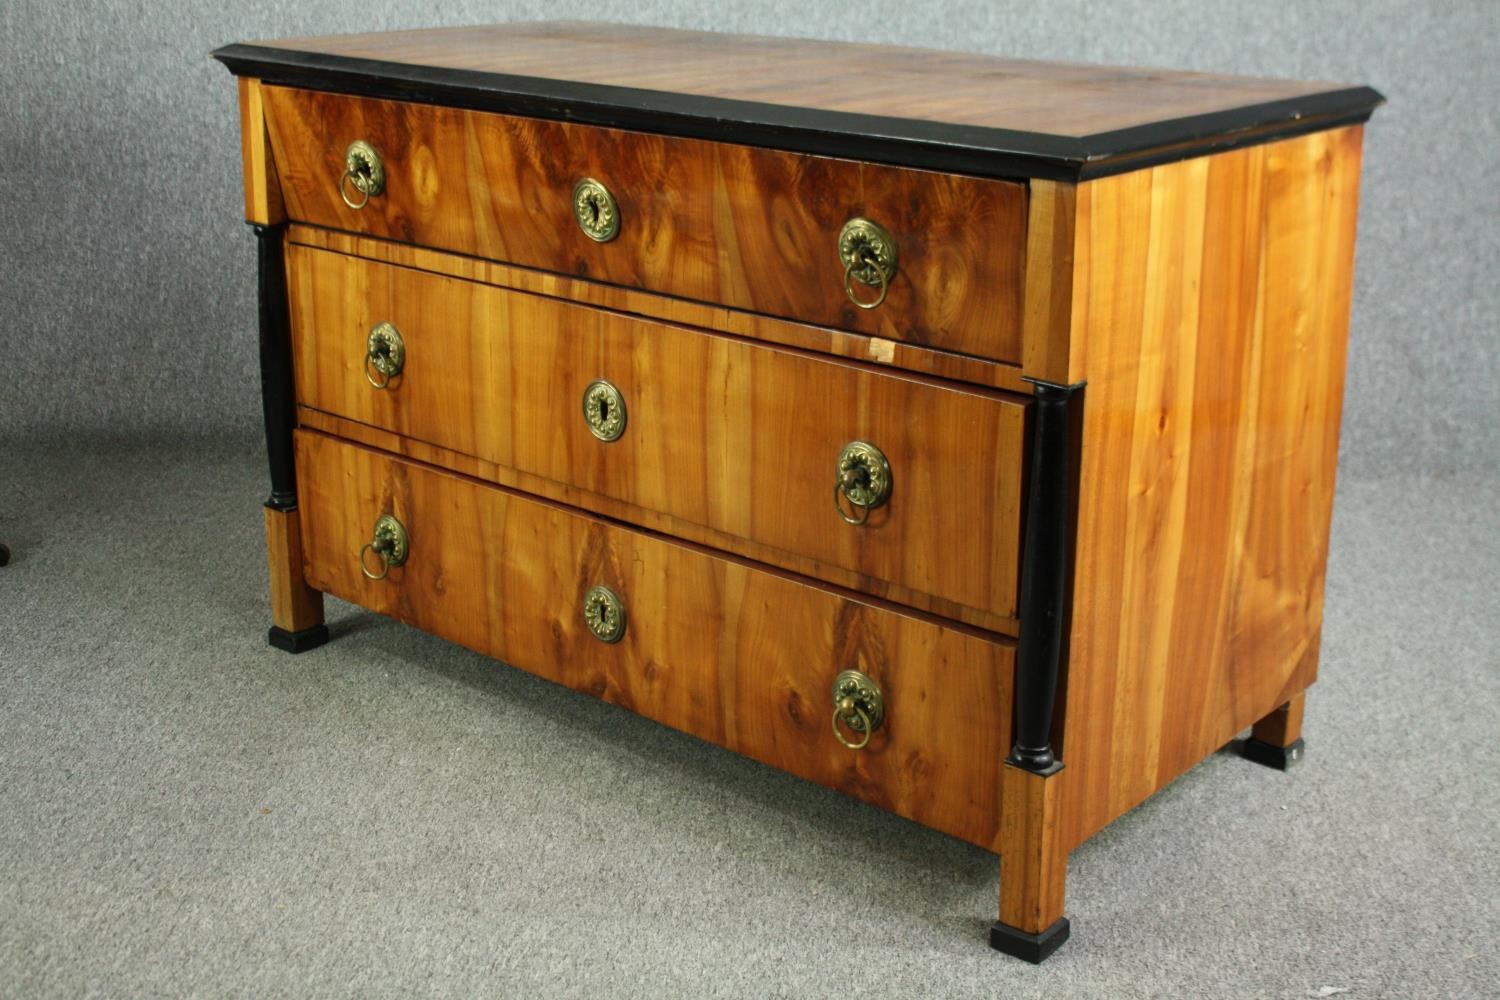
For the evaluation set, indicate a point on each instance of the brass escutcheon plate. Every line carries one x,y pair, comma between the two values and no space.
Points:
604,614
864,247
390,537
385,353
862,693
595,209
604,410
864,475
364,169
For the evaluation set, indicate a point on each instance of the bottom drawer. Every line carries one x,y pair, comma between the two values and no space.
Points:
738,655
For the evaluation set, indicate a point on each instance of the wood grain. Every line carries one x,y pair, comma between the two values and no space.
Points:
823,340
263,203
1048,308
295,607
737,437
1210,316
477,468
1033,857
744,227
961,88
736,655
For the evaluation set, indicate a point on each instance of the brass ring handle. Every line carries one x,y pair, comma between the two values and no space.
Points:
385,355
858,706
844,708
874,265
863,477
374,375
839,487
364,169
869,255
364,564
344,180
389,543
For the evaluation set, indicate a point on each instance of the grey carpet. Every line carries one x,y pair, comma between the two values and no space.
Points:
184,811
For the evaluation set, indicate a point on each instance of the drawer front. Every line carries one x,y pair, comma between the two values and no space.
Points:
750,228
737,655
738,437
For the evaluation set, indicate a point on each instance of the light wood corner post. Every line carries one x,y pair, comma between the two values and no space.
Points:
296,609
1033,859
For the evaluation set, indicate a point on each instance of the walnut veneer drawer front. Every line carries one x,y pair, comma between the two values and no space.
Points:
739,656
749,228
735,436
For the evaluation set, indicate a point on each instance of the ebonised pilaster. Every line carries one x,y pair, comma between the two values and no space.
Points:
1046,565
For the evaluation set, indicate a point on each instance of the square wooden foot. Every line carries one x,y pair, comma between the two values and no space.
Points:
1276,740
296,609
1033,867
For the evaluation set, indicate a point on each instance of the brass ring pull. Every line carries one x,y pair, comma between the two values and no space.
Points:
862,723
389,544
385,355
863,477
858,706
885,285
838,504
869,256
344,180
364,565
364,170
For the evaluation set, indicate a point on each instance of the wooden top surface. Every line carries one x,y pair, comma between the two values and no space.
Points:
944,110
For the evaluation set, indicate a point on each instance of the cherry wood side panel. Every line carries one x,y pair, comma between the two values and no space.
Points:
736,655
1210,315
749,228
823,340
735,436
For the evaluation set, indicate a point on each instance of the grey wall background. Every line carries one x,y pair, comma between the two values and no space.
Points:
126,275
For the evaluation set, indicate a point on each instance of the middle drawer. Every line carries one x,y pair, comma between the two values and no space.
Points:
749,441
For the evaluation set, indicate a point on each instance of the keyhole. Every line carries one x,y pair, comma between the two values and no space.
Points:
603,405
593,202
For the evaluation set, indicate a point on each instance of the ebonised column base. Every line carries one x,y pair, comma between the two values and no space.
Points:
1031,947
298,642
1271,755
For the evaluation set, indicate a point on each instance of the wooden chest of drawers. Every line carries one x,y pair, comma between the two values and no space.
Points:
955,432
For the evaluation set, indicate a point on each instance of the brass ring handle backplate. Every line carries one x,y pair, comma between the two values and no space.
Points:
364,172
385,354
388,543
604,410
604,614
869,255
863,478
595,209
858,706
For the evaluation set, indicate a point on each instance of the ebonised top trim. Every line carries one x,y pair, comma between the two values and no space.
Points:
932,145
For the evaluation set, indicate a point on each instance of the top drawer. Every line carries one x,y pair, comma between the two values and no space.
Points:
750,228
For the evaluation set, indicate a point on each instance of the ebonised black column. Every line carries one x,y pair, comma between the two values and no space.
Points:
1046,572
277,394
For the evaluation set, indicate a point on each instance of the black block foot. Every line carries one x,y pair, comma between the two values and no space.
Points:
1032,947
298,642
4,555
1280,758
